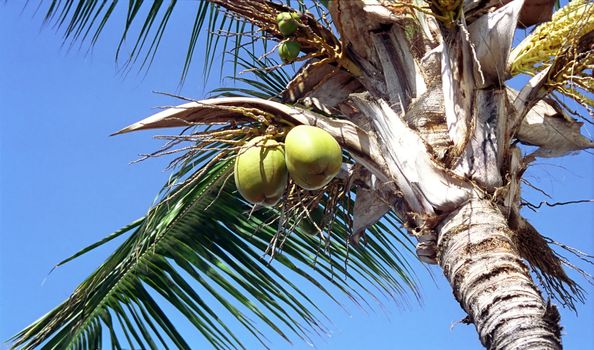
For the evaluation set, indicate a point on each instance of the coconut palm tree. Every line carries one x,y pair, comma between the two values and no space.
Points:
415,93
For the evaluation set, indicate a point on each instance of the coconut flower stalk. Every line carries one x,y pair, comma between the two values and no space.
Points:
415,94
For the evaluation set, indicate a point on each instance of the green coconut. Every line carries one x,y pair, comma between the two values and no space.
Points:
287,23
260,171
289,50
313,156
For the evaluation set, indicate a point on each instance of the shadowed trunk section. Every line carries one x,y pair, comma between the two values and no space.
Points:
491,283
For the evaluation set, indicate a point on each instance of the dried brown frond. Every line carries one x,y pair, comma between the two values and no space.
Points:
584,257
545,263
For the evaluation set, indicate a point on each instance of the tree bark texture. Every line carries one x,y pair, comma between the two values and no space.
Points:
476,251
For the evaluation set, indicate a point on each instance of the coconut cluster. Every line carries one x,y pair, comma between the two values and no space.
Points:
288,22
310,156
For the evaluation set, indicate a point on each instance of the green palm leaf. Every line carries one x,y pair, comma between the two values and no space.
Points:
85,20
204,232
263,82
201,247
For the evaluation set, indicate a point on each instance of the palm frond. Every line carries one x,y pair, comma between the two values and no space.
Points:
202,242
84,21
268,81
205,231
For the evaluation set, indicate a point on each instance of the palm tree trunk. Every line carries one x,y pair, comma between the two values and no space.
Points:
491,282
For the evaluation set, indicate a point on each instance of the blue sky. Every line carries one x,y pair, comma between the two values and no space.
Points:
64,183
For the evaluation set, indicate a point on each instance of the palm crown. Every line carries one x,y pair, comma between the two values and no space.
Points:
408,134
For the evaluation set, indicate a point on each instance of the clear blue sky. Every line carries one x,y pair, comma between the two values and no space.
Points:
64,183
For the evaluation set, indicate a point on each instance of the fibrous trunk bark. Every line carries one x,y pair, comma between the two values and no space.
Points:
478,257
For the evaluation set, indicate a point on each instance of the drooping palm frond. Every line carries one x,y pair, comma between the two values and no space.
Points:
85,20
202,242
205,231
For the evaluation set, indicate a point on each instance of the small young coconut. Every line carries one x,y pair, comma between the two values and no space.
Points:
313,156
260,171
287,22
289,50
